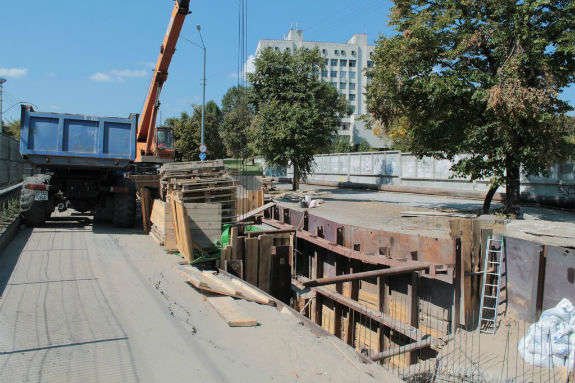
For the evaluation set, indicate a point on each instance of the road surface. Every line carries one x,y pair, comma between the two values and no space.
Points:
90,304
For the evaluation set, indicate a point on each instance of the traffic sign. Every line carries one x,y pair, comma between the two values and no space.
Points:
203,156
203,148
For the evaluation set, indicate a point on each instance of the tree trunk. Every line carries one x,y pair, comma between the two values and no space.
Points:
512,184
295,181
489,198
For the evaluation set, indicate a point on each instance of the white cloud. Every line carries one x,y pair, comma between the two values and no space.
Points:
118,75
13,72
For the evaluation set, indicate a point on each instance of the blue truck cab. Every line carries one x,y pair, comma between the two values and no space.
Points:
80,161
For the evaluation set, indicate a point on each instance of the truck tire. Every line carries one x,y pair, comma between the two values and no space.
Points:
34,213
125,206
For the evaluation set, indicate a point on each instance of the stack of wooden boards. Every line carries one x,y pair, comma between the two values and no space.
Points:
199,198
221,290
201,182
262,258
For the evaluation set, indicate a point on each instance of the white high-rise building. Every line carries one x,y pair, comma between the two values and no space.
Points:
345,68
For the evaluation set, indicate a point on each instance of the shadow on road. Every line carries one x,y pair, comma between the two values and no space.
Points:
10,255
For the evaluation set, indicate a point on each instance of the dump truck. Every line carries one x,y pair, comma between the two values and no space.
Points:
86,162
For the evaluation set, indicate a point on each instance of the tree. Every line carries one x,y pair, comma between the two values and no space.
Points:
297,115
237,117
479,79
12,128
187,133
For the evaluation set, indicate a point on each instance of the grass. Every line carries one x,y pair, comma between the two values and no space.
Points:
235,165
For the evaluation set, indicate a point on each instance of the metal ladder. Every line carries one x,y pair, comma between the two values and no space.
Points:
491,285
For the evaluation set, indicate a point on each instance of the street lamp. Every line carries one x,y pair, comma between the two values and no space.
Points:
2,81
199,28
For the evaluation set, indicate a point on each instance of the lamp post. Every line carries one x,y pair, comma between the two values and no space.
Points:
199,28
2,81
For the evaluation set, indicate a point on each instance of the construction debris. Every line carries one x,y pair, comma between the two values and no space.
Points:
231,313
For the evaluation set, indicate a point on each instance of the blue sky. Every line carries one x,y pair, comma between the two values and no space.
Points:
97,57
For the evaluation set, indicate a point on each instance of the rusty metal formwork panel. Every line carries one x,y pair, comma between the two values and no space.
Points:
522,266
559,276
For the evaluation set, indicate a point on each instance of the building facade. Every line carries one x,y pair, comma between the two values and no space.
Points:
345,68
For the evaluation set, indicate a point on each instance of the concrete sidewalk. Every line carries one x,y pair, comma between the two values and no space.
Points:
88,304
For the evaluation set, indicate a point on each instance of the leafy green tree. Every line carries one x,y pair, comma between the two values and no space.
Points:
12,128
340,145
297,115
187,133
238,114
479,78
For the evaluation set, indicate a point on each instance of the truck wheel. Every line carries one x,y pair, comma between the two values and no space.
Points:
125,207
34,213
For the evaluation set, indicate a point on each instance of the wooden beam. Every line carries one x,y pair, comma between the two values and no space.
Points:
382,293
256,211
385,320
428,342
365,274
413,294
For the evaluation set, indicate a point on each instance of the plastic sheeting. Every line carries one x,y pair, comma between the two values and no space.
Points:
551,341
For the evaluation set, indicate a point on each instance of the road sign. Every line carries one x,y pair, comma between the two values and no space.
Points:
203,156
203,148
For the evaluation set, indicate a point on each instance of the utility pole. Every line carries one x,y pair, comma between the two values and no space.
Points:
199,28
2,81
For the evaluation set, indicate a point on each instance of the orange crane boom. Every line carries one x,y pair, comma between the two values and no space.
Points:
147,147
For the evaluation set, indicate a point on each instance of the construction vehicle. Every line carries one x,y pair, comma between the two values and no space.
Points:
86,162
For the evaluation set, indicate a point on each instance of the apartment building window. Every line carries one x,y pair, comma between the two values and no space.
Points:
369,64
342,85
287,50
342,74
326,62
323,73
352,74
352,63
343,53
333,62
352,85
352,97
336,52
276,48
324,51
353,53
345,126
333,73
334,84
352,108
342,62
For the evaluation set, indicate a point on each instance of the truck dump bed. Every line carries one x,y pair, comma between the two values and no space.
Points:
77,140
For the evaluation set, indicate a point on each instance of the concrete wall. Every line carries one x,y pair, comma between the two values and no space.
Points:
11,164
393,169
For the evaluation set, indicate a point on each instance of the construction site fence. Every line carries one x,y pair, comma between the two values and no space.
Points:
457,355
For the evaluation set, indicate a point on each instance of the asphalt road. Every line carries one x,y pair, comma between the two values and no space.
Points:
90,304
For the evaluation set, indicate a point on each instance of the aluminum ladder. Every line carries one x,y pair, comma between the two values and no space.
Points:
491,285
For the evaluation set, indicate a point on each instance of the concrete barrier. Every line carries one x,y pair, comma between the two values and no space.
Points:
404,172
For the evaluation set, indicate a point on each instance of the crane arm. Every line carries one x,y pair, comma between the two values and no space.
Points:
147,124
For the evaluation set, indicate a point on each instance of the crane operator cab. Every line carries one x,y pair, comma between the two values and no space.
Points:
165,138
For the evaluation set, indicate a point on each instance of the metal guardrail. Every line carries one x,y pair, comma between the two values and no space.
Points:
9,205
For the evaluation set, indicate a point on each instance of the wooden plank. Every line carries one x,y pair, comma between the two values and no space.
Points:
252,260
251,293
205,223
382,292
231,313
265,259
413,296
401,350
255,211
183,235
146,207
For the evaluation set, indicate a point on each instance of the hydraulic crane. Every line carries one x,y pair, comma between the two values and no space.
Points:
154,144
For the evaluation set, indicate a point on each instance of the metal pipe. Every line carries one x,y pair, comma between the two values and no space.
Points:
365,274
428,342
199,28
2,81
